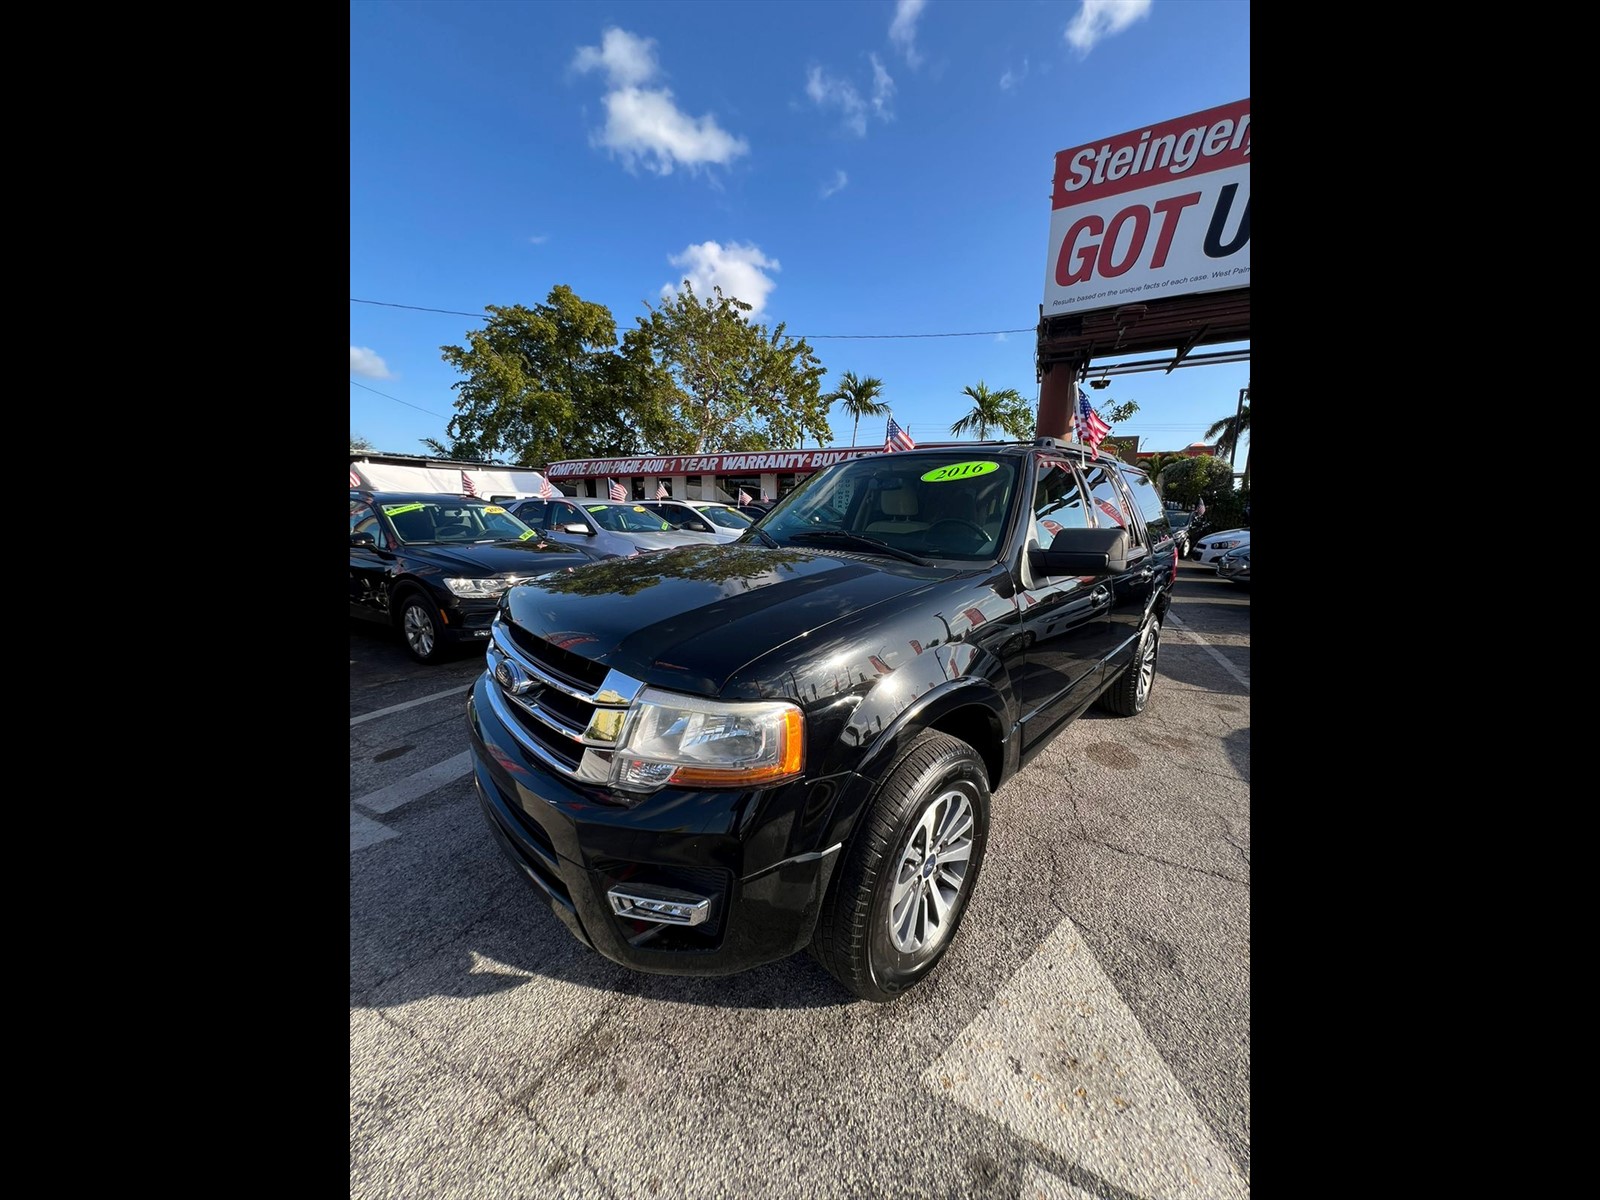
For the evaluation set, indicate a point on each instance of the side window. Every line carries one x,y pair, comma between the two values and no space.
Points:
1110,503
565,514
1148,501
531,514
1057,502
364,520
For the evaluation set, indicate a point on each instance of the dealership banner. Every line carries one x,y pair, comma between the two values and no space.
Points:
706,464
1151,213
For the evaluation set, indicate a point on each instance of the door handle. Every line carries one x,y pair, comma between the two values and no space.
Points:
1101,595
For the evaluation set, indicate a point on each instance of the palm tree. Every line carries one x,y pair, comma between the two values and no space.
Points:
1005,410
1231,429
860,398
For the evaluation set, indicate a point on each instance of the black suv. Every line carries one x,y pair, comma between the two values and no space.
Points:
435,567
717,756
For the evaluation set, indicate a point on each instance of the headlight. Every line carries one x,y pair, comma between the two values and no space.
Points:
689,742
478,589
1228,545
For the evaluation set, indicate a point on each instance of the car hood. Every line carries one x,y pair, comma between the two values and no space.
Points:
1224,535
663,541
499,558
688,619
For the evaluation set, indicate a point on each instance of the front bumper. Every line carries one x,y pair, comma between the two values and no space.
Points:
754,853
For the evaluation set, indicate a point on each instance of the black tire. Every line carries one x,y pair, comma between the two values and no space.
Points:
420,628
1131,692
936,785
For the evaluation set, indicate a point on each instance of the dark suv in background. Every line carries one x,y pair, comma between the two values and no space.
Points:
434,567
710,758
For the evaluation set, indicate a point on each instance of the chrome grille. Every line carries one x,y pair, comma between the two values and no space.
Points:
565,710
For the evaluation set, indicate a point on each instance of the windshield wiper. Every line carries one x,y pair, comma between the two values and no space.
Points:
859,539
764,536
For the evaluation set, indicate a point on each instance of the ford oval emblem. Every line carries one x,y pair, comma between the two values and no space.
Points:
509,676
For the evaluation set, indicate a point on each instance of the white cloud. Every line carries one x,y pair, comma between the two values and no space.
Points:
539,239
882,90
1098,19
1011,78
1000,337
839,180
645,125
627,60
739,270
365,361
829,92
903,29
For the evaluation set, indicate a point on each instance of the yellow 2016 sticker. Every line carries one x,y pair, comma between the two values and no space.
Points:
524,536
960,470
638,508
492,508
597,508
392,509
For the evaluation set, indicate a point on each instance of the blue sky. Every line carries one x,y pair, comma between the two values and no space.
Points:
849,168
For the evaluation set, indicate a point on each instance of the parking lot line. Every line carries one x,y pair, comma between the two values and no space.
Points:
414,787
1244,680
394,708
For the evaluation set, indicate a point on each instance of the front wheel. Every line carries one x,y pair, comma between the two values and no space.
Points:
419,626
909,871
1131,692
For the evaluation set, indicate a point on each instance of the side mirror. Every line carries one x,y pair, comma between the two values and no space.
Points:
577,527
363,539
1083,552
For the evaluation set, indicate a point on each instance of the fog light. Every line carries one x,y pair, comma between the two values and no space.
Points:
669,906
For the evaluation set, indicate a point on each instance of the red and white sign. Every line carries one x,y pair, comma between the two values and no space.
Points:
1155,212
707,464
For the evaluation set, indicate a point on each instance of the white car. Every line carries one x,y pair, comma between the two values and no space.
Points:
690,519
1214,545
726,517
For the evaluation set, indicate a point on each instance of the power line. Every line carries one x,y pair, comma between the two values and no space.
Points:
815,336
397,400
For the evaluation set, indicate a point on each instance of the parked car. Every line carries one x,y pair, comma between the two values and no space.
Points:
714,757
1234,565
1182,522
1211,546
687,517
755,511
615,528
434,567
727,517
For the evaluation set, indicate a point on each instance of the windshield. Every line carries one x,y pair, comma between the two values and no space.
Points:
1180,520
449,519
628,518
727,518
677,515
948,504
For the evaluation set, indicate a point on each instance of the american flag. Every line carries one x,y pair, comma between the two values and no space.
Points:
467,487
661,491
546,491
895,438
355,480
1200,510
766,499
1090,429
615,490
744,496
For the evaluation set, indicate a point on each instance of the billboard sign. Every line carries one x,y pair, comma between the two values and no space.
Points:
1152,213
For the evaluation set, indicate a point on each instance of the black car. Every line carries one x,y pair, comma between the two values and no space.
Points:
713,757
434,567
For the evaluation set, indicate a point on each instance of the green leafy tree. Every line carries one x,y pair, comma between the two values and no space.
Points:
1232,429
358,443
705,376
539,384
991,410
1190,480
860,399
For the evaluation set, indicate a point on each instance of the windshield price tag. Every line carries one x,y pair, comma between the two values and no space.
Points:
960,470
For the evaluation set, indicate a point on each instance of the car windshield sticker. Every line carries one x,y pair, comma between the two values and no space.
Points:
638,508
489,508
392,509
960,470
597,508
526,534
